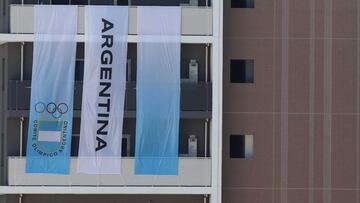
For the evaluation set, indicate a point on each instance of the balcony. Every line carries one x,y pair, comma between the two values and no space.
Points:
195,100
193,172
196,114
195,20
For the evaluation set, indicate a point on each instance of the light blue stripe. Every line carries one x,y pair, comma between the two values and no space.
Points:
50,125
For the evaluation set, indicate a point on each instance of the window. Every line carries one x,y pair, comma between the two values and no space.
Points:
242,71
123,2
241,146
79,70
164,2
75,138
31,1
101,2
79,2
242,4
125,145
44,1
60,2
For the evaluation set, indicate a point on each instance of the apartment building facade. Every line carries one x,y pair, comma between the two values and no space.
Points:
199,175
275,109
299,101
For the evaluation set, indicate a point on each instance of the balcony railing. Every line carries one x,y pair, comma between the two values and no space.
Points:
193,172
195,99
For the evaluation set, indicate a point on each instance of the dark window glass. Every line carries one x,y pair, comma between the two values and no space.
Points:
31,1
80,51
12,2
79,70
79,2
164,2
242,71
122,2
241,146
242,4
60,2
102,2
74,145
124,147
237,146
44,1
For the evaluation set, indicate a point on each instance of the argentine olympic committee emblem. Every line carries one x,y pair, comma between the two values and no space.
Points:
50,129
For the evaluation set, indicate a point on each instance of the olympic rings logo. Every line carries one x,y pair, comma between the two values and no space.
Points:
56,110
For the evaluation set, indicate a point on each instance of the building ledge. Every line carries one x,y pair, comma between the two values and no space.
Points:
103,190
193,172
11,37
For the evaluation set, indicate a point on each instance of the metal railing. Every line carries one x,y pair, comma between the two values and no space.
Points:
195,97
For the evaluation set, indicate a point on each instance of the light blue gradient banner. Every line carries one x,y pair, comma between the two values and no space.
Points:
52,89
158,91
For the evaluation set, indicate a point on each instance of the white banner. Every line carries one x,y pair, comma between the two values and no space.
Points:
106,31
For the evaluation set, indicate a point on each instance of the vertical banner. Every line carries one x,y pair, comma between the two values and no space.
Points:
158,90
106,33
52,90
